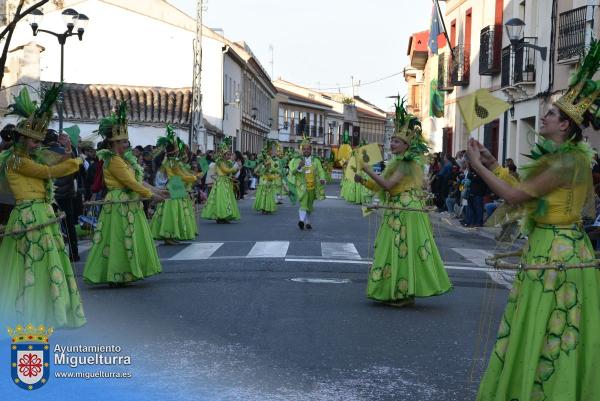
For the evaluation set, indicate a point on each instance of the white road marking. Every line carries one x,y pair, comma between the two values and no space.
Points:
269,249
317,260
478,256
198,250
340,250
321,280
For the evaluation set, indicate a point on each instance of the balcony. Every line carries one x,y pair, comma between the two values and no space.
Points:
490,45
459,66
506,75
524,62
443,73
571,33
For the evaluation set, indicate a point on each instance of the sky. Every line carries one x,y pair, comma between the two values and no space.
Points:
323,43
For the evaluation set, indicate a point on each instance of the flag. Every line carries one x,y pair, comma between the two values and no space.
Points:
436,108
480,108
73,132
435,30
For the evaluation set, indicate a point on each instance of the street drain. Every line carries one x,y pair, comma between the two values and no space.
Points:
321,280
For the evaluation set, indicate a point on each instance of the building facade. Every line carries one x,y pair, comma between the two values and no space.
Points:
154,56
480,55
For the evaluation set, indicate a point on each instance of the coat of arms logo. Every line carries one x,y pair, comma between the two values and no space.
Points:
30,356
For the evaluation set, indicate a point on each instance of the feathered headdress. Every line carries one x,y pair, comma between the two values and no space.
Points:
171,139
305,141
114,127
34,120
582,101
224,147
408,128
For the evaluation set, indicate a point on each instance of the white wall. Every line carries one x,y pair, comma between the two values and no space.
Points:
119,47
232,84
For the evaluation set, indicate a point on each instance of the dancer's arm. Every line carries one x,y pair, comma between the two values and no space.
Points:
533,188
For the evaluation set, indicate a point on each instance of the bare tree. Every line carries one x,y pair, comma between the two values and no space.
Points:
7,32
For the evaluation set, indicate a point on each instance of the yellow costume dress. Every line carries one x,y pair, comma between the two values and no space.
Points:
37,283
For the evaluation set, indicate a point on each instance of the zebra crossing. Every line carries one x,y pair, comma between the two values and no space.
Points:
321,252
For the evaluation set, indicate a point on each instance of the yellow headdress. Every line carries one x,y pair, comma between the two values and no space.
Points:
407,126
581,103
34,119
114,127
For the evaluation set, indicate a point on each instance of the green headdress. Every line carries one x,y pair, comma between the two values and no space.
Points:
408,128
224,147
582,101
34,119
171,139
305,141
114,127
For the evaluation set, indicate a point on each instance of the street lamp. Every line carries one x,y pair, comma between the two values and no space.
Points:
76,24
514,31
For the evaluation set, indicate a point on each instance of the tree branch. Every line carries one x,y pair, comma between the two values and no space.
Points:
19,16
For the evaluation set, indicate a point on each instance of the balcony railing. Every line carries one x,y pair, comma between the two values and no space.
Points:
443,73
571,33
524,61
489,50
459,66
506,77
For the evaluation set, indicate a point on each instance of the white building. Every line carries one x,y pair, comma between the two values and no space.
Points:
142,51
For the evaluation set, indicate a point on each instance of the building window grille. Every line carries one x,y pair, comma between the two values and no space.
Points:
490,50
571,33
459,66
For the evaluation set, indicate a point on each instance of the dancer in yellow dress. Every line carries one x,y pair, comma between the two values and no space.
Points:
37,282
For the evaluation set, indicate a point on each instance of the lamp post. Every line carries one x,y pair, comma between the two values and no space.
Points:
76,24
514,31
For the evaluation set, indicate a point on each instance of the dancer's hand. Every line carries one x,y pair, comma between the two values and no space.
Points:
487,158
474,153
358,179
301,164
322,182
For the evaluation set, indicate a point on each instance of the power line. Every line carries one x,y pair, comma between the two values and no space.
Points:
359,84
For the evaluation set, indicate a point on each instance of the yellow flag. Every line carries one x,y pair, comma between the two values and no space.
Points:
480,108
344,152
369,154
351,169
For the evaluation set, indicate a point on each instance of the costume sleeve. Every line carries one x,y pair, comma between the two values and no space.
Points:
227,170
187,178
372,185
320,170
119,169
504,174
30,168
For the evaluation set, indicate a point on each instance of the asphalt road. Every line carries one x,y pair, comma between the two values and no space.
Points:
259,310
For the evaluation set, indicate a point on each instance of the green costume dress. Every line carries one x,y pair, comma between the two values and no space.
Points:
221,203
406,262
175,218
122,246
548,344
37,283
306,181
268,171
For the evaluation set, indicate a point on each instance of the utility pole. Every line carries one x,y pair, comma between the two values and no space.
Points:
272,49
197,130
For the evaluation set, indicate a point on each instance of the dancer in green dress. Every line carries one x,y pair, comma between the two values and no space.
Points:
37,283
221,204
548,344
307,177
406,263
174,219
122,250
268,185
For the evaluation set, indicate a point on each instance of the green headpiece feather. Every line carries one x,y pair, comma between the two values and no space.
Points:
114,127
34,119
